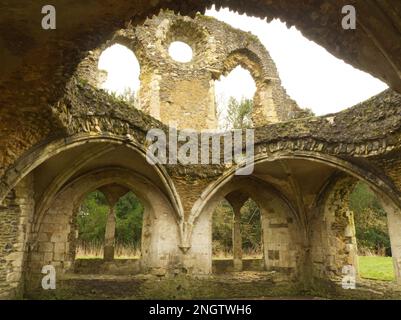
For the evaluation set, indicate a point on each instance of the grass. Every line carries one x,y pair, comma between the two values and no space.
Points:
376,268
95,251
370,267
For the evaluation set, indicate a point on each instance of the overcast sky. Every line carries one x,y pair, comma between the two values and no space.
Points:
311,75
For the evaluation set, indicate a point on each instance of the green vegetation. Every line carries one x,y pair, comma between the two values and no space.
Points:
370,222
222,228
308,112
372,235
239,113
129,215
377,268
251,229
127,96
92,219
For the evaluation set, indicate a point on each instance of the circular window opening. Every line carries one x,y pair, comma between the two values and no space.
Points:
180,52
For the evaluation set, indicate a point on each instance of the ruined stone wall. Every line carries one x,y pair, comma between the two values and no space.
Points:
37,64
187,89
16,216
281,238
332,232
183,93
391,165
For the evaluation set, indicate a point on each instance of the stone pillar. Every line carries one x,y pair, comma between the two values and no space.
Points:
394,228
237,199
112,193
110,236
237,240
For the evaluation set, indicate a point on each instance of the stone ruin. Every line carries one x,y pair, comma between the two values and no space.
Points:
183,93
85,140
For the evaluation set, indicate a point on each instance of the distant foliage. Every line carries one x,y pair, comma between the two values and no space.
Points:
128,96
308,112
239,113
251,227
92,218
129,214
222,228
370,221
223,218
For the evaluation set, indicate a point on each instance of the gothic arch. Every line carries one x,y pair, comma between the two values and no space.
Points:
53,239
274,207
43,153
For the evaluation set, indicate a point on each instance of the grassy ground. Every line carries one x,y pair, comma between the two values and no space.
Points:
95,251
370,267
377,268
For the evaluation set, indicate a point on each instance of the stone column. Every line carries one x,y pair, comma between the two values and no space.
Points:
237,240
237,199
112,193
109,236
394,228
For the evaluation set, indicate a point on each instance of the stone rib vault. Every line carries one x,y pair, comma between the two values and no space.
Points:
62,137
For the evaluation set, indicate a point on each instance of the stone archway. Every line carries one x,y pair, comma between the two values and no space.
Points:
102,144
282,235
332,231
264,109
304,208
53,243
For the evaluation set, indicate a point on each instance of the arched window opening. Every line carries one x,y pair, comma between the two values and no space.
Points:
372,236
234,95
309,83
120,72
91,226
180,51
237,237
95,228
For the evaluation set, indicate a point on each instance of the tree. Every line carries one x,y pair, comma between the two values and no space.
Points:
128,95
239,113
370,221
222,228
92,217
251,227
93,213
129,216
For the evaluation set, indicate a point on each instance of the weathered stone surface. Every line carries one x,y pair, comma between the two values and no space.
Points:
61,137
37,64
